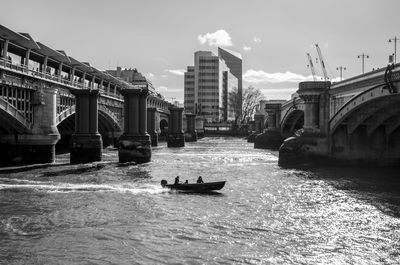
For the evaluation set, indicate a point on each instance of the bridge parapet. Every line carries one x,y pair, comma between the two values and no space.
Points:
343,92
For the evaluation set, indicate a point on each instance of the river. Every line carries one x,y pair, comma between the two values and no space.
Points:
111,214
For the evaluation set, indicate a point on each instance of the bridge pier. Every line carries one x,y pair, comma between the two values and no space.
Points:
271,138
39,145
86,143
151,126
175,137
134,143
259,126
190,133
311,144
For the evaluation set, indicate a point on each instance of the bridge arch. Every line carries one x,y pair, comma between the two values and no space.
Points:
108,125
293,121
368,126
12,120
107,120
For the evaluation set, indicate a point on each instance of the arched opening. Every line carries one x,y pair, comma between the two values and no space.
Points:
107,127
10,145
163,127
370,133
293,122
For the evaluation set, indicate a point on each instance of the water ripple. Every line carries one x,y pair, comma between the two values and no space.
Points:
264,215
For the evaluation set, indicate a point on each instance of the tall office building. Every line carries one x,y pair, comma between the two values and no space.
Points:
208,83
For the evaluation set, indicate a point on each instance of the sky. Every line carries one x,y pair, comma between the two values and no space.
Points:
159,38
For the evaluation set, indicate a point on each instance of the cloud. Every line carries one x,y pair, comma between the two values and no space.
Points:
246,48
257,40
149,75
218,38
176,71
162,89
257,77
164,76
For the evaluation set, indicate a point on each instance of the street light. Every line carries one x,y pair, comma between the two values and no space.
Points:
362,56
341,68
395,39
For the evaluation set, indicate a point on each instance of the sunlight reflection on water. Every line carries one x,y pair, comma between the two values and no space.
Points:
263,215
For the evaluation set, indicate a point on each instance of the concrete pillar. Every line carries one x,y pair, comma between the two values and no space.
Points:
199,125
93,82
311,93
151,125
259,122
86,143
27,55
39,146
271,119
5,49
59,72
45,60
175,137
190,133
134,143
311,145
271,138
83,79
72,75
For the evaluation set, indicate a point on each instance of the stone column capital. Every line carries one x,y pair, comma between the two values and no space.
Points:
259,116
90,92
131,91
310,98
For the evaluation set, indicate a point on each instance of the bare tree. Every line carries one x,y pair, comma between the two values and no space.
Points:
250,100
234,103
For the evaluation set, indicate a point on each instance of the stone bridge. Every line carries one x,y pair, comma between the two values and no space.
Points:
356,121
47,97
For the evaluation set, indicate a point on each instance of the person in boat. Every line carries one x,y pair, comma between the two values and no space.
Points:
186,182
176,180
200,180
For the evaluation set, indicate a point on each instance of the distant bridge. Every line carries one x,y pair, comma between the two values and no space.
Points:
357,119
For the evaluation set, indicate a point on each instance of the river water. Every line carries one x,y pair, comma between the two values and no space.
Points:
111,214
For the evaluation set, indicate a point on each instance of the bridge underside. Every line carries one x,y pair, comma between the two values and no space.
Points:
9,125
370,133
108,128
292,123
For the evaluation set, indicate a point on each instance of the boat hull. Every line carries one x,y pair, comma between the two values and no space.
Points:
197,187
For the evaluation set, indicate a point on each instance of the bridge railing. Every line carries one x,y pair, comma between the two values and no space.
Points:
20,68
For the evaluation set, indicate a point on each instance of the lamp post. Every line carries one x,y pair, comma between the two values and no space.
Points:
362,56
341,69
395,39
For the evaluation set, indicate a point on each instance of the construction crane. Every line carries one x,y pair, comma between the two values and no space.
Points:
311,65
322,62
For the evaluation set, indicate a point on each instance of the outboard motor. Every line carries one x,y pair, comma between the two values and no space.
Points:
163,183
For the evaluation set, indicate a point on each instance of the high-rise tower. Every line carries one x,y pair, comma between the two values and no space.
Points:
208,83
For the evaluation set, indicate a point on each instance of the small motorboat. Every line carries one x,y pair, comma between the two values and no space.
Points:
194,187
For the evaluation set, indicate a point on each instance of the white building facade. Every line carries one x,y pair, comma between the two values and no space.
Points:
207,85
